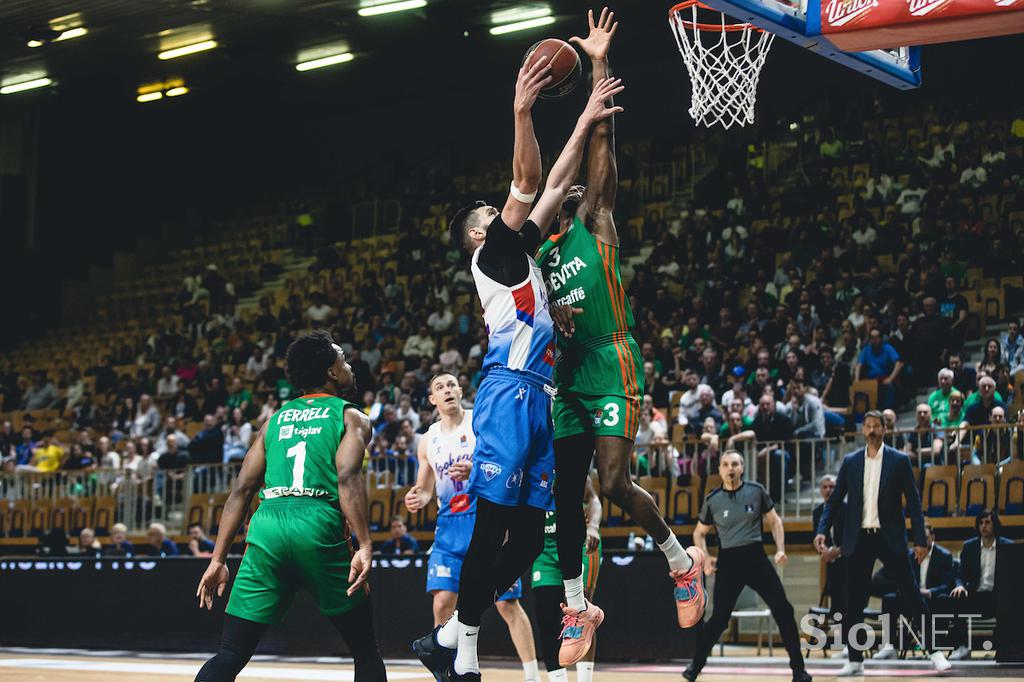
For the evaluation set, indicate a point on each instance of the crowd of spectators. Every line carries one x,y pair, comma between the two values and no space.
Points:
757,311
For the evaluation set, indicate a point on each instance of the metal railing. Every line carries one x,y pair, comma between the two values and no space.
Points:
790,470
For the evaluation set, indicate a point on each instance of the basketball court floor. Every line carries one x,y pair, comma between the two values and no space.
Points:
52,665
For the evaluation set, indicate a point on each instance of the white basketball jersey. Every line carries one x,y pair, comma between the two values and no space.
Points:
443,450
520,332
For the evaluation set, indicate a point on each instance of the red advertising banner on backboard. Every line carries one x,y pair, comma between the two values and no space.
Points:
859,25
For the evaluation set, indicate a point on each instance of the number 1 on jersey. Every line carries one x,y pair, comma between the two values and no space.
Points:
298,451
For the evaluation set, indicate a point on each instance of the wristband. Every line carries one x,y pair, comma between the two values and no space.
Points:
519,196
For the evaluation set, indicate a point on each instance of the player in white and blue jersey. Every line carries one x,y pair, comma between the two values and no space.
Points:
445,458
513,462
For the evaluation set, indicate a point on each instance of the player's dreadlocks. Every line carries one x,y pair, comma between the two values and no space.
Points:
308,359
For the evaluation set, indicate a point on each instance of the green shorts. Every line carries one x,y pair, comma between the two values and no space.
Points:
600,391
546,572
293,542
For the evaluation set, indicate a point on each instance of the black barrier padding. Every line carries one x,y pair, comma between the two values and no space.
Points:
150,605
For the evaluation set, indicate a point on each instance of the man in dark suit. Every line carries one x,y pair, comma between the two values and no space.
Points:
934,575
975,591
835,570
774,431
874,480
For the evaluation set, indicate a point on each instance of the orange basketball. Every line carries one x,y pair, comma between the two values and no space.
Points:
565,66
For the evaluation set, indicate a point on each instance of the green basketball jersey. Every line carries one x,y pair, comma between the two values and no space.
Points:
582,271
301,444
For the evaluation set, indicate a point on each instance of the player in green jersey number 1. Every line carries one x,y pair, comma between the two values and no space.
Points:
309,459
599,379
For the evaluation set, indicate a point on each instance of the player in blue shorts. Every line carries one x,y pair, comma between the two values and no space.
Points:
445,458
513,462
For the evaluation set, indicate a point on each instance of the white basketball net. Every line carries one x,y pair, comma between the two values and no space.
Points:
724,61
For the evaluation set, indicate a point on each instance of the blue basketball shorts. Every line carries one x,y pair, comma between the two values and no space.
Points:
451,540
514,460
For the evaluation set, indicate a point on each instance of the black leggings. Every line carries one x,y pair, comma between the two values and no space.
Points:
573,456
738,567
492,563
548,612
240,637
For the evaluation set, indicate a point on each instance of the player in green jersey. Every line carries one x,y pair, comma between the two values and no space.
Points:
547,588
308,458
599,375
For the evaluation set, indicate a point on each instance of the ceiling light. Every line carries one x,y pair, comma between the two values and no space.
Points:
149,96
388,7
188,49
517,14
25,85
521,25
72,33
325,61
35,43
177,91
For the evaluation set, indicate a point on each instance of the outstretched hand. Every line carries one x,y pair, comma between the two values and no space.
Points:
600,37
530,82
597,109
215,579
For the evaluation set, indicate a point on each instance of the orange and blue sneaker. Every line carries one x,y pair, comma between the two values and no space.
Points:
577,636
690,595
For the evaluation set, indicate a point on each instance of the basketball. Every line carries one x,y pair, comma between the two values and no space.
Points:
565,66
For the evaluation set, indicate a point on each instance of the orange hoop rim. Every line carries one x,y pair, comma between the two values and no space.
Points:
708,27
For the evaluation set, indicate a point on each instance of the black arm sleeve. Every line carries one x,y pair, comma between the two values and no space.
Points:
503,257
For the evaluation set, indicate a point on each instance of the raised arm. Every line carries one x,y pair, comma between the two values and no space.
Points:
568,164
526,167
249,481
602,173
352,492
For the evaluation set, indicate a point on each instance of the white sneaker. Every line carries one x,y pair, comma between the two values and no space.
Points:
960,653
885,653
939,662
853,668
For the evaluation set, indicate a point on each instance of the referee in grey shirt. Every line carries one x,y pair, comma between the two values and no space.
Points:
736,510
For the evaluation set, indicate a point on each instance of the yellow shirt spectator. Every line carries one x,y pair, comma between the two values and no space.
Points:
48,458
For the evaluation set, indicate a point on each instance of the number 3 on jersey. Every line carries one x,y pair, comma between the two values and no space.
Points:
612,410
298,451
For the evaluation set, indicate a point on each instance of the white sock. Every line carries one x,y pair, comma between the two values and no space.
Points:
531,672
448,635
585,671
559,675
466,660
574,593
678,559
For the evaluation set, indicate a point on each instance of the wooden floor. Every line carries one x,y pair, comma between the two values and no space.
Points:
83,668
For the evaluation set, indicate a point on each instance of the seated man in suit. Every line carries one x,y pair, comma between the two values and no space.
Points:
934,575
975,591
835,571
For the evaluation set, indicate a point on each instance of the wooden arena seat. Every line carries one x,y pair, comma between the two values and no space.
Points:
977,488
60,514
104,515
1011,488
683,502
398,508
938,492
39,517
657,486
81,514
379,502
863,395
198,511
217,502
710,483
17,519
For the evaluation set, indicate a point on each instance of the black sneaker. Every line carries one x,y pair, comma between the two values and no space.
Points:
451,676
801,676
691,673
435,657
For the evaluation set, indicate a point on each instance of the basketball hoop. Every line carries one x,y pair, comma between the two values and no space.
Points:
724,61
